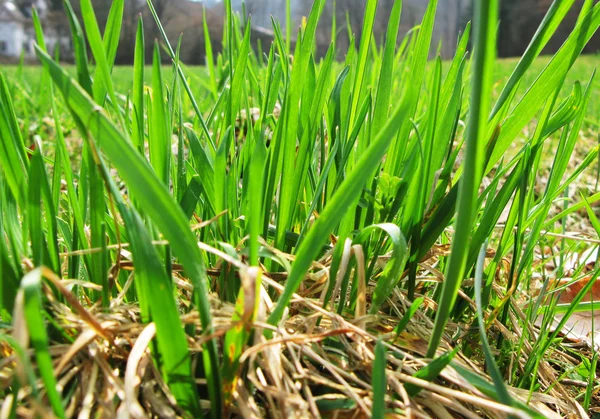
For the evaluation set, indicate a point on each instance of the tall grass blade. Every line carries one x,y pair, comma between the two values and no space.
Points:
138,131
13,158
384,85
486,16
503,394
151,194
159,140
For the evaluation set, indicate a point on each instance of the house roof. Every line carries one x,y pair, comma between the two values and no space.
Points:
9,12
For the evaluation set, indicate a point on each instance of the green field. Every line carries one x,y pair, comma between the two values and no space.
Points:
30,76
389,236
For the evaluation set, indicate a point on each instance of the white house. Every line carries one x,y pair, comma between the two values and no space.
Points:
13,37
16,29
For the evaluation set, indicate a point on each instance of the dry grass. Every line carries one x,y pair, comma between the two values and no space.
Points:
317,363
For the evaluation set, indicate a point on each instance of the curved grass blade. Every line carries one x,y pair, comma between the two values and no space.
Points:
565,112
393,271
501,390
150,193
152,286
157,292
562,157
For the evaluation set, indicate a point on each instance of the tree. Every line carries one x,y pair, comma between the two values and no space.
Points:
519,20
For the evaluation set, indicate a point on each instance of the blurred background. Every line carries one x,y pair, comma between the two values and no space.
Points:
519,20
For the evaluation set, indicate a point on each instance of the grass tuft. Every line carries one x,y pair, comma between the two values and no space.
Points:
282,233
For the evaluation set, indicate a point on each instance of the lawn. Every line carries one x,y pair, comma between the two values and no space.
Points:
389,236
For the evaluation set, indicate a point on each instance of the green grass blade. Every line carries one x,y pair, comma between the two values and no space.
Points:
150,193
138,124
553,188
346,196
412,89
546,83
591,381
314,114
363,53
255,216
431,371
97,209
31,287
103,82
288,24
184,80
485,27
501,389
159,140
13,158
65,168
393,271
405,320
386,75
379,382
34,214
238,79
112,31
555,15
205,169
292,111
154,288
172,342
79,49
39,179
9,282
209,58
488,389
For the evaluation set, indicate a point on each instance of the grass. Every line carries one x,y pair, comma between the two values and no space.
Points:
30,76
280,233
